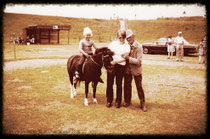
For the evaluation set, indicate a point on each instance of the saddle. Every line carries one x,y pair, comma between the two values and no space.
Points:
82,72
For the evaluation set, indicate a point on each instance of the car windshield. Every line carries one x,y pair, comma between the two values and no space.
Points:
186,42
161,41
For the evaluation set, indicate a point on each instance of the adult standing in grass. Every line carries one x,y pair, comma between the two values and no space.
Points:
119,47
179,42
170,47
202,51
133,69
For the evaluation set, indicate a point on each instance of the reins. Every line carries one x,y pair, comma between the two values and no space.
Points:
95,62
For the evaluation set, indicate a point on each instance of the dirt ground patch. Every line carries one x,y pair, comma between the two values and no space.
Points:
21,64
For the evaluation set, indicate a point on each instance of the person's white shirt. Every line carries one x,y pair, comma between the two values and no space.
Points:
118,50
179,40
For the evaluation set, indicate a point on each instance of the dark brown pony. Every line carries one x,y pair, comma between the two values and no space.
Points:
91,71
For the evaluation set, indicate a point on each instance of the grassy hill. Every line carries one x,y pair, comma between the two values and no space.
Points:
146,30
193,31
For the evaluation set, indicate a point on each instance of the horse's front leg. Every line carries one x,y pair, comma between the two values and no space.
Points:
94,92
86,93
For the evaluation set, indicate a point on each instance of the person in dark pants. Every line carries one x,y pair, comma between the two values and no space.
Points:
133,69
118,47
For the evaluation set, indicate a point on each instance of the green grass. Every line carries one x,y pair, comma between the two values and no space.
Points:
24,52
149,31
40,103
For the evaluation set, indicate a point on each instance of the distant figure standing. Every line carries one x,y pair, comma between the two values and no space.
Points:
27,40
202,51
170,47
32,40
179,42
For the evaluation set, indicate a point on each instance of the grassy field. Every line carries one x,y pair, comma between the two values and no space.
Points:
37,100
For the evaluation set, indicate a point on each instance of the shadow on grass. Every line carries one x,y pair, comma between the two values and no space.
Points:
101,99
154,106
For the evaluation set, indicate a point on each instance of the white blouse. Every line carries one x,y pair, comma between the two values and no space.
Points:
118,50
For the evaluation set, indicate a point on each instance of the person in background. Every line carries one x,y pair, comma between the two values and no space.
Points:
27,40
170,47
85,48
119,47
133,69
179,42
202,51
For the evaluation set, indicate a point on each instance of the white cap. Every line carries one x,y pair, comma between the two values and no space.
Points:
86,31
129,33
179,32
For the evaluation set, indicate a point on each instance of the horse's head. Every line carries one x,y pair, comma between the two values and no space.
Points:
106,57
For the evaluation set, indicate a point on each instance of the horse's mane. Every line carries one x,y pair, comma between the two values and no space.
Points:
103,50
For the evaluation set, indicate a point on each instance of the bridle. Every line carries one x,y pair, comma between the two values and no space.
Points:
103,56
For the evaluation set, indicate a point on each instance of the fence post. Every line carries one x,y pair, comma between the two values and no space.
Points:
14,51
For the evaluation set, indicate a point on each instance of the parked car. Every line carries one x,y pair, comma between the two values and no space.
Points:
160,46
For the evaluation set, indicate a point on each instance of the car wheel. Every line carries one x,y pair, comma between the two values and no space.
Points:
145,50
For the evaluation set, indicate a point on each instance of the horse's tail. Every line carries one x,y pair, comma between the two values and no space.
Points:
69,68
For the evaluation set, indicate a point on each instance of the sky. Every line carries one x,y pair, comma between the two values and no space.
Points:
131,12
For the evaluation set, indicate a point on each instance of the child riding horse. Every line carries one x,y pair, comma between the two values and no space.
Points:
85,47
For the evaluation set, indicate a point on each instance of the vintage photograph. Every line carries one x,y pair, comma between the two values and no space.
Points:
104,69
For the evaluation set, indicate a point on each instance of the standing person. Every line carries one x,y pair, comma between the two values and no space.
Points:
202,51
133,69
118,47
85,48
32,39
170,47
179,42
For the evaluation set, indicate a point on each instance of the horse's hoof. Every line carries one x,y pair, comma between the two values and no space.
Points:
86,102
75,93
95,101
72,96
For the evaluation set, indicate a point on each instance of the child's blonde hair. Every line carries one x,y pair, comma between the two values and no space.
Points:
86,31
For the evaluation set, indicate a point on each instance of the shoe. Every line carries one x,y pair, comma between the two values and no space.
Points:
117,105
143,107
126,104
108,104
